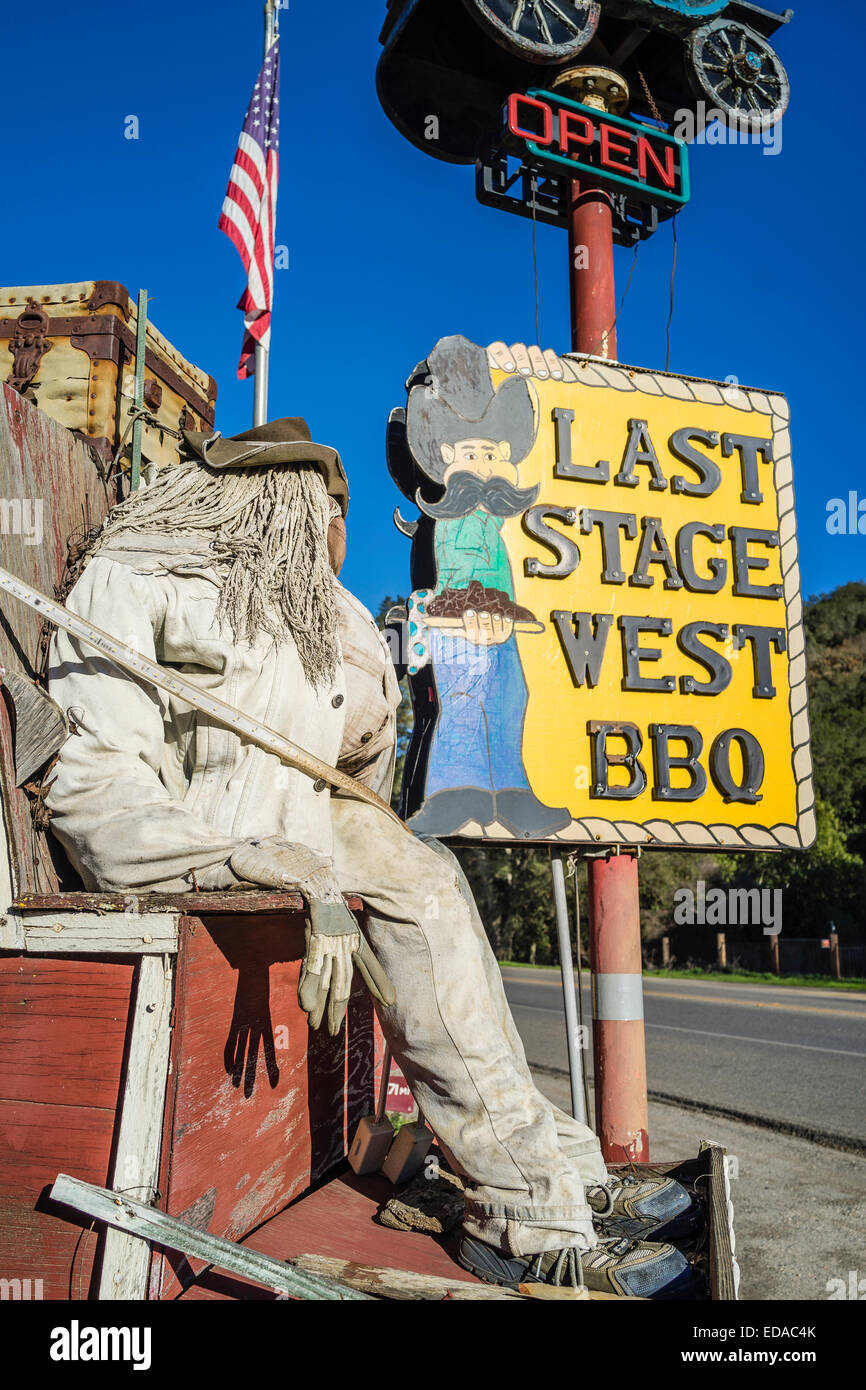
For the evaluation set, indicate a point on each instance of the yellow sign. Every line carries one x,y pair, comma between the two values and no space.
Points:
649,534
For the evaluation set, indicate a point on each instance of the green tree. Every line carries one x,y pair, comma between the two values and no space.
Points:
836,659
512,887
822,885
661,873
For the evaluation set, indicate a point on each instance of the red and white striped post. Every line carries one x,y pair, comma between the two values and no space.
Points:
621,1113
619,1046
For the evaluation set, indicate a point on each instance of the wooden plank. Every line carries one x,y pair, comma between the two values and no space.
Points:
18,834
195,904
41,727
126,1261
51,489
66,933
37,1241
402,1284
11,926
62,1040
6,891
145,1223
723,1285
63,1027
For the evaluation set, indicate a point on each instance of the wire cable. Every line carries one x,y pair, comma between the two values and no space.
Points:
535,257
671,312
574,864
626,290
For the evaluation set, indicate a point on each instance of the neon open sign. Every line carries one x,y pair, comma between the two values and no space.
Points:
566,137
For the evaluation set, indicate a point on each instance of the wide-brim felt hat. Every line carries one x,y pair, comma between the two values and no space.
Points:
432,421
280,442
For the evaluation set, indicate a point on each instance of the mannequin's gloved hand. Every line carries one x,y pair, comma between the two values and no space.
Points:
334,943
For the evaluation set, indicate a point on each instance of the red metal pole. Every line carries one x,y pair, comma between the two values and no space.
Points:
621,1117
593,298
614,912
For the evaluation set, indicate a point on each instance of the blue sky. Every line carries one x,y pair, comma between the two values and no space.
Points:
389,250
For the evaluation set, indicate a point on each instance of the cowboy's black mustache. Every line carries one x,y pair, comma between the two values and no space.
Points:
465,492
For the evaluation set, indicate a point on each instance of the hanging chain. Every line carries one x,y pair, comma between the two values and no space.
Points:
657,115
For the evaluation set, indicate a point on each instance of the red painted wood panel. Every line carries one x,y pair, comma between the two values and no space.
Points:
58,1021
259,1106
36,1143
62,1037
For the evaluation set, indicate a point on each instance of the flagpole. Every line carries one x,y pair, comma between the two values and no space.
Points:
260,400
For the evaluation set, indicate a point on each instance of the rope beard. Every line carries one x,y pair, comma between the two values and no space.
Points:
267,532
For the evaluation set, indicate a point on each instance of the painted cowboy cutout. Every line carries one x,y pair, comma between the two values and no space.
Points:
470,440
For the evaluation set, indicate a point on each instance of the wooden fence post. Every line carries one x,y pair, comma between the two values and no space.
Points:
835,958
774,955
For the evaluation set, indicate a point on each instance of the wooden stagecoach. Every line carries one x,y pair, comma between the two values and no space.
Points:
153,1048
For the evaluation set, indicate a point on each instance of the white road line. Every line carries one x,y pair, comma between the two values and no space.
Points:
652,983
796,1006
703,1033
735,1037
537,1009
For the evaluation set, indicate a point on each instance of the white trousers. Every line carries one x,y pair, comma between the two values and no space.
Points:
524,1162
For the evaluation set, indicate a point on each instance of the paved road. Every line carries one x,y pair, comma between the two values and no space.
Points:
792,1056
799,1209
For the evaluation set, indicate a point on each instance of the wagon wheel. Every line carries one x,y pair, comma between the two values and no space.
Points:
543,31
739,72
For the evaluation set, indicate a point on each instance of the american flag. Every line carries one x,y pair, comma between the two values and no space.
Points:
250,209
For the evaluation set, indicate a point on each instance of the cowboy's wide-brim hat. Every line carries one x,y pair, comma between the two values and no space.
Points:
431,421
280,442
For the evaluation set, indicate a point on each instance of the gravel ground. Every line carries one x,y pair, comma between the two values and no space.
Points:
799,1209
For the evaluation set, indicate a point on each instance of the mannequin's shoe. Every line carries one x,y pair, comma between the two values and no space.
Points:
631,1205
625,1268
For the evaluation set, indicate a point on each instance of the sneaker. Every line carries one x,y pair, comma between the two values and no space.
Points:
625,1268
629,1196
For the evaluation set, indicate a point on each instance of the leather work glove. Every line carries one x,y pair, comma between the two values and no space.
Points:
334,944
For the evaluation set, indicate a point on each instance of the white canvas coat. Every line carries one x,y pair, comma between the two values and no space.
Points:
148,792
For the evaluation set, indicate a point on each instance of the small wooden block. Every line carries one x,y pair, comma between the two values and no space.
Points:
407,1153
554,1293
